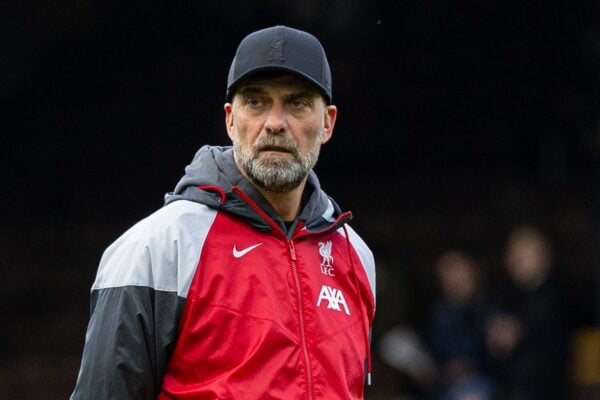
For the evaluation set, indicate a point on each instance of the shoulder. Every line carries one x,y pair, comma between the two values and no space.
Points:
178,215
361,247
158,251
172,222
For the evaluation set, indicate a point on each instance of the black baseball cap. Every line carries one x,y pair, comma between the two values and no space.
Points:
280,48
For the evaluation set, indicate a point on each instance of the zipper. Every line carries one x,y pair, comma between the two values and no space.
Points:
301,320
345,217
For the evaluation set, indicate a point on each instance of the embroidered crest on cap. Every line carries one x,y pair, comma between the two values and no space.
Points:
276,52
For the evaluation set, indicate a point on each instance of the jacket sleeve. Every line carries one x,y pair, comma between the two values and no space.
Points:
136,303
130,334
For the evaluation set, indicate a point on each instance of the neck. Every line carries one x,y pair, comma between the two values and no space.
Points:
286,205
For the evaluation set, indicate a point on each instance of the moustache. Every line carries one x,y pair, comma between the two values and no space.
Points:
270,143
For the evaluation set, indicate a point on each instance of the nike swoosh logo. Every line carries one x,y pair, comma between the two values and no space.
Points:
240,253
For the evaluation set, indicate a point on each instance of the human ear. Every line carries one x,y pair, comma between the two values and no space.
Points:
228,107
329,117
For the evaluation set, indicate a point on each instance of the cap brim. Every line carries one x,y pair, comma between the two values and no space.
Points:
270,67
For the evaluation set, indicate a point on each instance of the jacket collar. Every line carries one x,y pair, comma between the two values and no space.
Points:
213,179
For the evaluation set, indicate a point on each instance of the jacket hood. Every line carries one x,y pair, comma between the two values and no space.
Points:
214,179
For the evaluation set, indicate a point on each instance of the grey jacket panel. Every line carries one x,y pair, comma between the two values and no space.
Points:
131,334
137,299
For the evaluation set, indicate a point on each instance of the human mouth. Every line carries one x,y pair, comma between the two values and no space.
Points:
275,149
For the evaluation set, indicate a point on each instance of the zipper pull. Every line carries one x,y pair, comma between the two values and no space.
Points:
292,250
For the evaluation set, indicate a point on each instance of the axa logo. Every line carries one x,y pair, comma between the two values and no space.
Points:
327,263
335,299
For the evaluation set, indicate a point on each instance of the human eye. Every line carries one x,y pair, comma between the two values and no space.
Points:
299,103
254,102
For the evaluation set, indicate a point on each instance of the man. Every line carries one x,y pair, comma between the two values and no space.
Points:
528,339
248,283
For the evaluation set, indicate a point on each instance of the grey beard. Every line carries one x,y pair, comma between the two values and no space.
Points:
278,175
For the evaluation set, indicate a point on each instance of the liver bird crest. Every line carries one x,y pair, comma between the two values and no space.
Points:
325,252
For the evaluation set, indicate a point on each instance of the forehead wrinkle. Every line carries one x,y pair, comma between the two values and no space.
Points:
289,94
250,89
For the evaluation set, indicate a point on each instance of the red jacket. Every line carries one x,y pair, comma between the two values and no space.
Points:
212,298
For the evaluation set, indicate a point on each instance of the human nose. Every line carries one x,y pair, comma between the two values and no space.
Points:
276,119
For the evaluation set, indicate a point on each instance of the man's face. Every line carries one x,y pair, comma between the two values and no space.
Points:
277,124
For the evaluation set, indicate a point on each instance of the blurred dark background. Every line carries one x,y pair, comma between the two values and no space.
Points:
457,121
